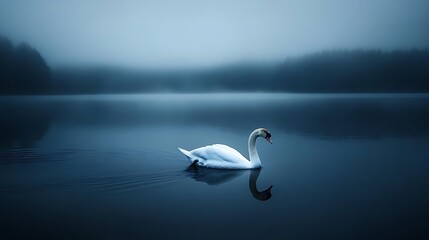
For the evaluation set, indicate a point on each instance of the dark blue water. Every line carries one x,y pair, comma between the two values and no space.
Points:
341,167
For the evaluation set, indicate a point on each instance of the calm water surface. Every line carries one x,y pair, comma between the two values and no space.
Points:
341,167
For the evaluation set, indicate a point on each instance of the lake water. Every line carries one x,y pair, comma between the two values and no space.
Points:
107,166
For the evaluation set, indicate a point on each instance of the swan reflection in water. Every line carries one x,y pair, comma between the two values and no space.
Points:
217,176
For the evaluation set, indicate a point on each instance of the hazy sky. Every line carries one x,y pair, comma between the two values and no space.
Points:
185,33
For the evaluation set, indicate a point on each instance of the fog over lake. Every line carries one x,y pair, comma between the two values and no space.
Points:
188,34
96,97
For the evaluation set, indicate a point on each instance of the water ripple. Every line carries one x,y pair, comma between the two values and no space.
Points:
85,170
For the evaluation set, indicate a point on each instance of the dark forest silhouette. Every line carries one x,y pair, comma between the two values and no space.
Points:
356,71
345,71
23,70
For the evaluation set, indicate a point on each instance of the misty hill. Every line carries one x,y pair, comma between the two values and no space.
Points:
325,72
22,70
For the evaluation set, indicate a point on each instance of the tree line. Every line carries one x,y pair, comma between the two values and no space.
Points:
339,71
24,71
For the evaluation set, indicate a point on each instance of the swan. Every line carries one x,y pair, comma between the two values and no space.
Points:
225,157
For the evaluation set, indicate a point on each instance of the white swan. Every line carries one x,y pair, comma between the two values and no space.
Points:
226,157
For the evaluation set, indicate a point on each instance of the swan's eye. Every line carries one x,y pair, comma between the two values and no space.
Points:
268,134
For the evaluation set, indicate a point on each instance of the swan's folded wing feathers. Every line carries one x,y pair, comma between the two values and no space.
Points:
218,152
229,149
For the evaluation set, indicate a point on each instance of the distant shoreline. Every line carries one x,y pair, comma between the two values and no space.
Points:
225,94
23,71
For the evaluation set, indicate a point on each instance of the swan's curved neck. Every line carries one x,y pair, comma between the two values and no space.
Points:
253,153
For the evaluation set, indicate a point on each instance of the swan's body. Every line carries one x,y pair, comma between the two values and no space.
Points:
225,157
218,156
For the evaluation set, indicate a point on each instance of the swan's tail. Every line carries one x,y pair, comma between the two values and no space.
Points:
186,152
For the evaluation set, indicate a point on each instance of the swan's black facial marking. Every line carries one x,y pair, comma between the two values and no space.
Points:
268,136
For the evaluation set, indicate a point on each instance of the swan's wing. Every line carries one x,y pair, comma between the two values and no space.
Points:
219,152
230,150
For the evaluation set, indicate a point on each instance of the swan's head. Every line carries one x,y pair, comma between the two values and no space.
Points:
263,132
